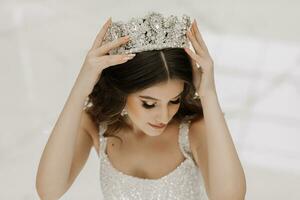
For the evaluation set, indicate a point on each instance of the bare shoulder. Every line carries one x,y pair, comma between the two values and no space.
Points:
91,128
197,137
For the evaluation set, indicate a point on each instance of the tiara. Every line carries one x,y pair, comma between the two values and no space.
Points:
151,32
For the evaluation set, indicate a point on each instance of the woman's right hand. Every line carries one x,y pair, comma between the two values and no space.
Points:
98,58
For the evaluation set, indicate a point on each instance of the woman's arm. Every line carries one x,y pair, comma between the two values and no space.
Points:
55,172
225,172
56,161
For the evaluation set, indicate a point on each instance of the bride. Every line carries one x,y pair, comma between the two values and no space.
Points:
148,105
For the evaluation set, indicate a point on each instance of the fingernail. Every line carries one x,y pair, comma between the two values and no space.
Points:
125,58
125,38
128,57
131,55
108,22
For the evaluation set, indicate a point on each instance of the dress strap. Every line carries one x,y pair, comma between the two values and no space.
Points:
183,140
102,139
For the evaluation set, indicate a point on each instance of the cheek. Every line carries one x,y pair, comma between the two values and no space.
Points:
175,109
136,110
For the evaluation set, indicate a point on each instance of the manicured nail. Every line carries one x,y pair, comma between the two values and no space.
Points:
131,55
127,58
107,21
125,38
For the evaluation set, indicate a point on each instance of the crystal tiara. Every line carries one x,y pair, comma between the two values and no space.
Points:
151,32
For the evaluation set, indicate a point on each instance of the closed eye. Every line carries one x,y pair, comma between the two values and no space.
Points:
149,106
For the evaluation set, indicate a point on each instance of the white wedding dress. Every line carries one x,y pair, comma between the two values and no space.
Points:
183,183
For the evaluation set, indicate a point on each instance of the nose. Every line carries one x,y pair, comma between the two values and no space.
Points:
163,116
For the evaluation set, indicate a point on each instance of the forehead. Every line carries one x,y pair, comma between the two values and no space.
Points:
166,90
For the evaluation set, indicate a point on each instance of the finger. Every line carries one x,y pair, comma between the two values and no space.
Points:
194,64
190,58
195,58
198,35
105,48
101,34
111,60
196,45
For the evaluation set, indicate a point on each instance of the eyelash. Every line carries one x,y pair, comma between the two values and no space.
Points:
147,106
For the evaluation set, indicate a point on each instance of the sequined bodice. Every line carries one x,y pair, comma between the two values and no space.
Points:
185,182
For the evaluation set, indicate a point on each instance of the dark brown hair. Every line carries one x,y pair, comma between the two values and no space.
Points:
146,69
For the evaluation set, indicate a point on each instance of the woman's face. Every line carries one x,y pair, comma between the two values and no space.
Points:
156,105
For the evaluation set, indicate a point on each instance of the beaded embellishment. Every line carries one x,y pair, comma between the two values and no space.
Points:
151,32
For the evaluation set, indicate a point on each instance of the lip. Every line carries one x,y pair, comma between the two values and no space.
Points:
157,126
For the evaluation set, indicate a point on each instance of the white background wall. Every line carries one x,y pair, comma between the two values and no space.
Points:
256,49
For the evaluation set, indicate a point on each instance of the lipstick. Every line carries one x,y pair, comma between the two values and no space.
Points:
157,125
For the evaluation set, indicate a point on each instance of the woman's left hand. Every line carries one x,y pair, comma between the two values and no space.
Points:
204,76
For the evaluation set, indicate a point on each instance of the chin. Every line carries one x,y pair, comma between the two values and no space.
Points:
155,131
155,134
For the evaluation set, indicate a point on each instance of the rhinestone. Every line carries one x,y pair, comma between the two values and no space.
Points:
184,182
155,25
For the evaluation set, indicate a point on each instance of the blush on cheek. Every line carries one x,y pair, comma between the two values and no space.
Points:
137,112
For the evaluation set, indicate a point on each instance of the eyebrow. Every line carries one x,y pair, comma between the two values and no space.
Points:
151,98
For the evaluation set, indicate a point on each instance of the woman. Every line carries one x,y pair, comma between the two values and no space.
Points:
153,118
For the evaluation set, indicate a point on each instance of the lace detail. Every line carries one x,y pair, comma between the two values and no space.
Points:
184,182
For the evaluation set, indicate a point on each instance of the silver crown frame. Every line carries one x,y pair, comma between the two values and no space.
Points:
151,32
